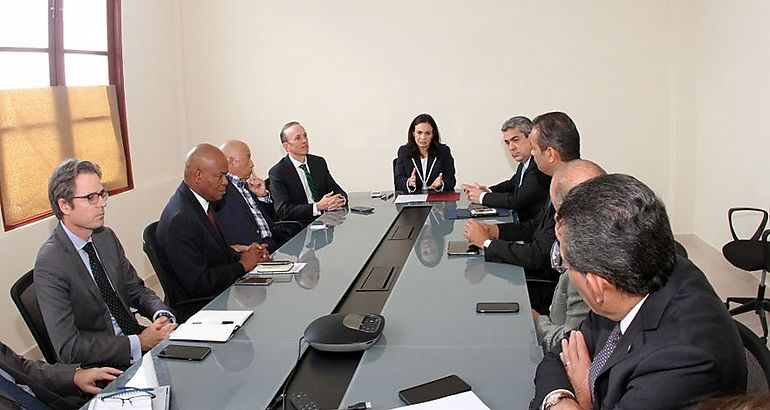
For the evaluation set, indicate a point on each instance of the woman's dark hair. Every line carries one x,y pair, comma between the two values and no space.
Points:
435,142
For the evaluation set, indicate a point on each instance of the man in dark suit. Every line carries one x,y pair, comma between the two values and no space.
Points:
246,213
555,141
300,183
527,190
658,336
192,246
86,285
59,386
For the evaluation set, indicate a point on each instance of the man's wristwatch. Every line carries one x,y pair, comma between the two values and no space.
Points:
554,399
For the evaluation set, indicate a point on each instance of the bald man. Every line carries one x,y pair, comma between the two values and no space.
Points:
567,307
192,246
246,213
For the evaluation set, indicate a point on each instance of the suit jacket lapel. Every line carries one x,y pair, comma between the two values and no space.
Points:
186,193
296,183
245,208
517,176
647,319
76,262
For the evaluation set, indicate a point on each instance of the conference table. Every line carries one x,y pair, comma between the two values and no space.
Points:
431,326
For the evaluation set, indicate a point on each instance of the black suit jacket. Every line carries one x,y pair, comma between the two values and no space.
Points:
533,255
681,348
528,199
444,163
237,222
193,250
52,384
288,194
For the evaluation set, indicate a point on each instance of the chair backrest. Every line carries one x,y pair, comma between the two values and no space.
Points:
168,282
757,361
25,297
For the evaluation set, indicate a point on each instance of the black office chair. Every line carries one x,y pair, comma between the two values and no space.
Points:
25,297
286,229
757,361
168,281
750,255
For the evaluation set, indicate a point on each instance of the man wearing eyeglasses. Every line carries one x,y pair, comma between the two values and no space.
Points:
527,190
85,285
657,336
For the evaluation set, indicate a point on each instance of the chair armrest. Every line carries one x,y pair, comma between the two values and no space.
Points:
760,228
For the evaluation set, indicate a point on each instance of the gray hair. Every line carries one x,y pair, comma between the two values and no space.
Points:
285,127
61,185
522,123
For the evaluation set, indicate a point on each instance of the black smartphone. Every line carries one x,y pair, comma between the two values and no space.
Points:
497,307
254,281
185,352
436,389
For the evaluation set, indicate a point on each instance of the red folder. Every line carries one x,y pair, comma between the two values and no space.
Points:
443,196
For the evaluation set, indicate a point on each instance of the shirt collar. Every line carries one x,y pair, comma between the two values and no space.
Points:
297,163
77,241
626,321
202,201
526,164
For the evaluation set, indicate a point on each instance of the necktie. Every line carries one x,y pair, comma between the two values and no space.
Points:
262,224
311,183
601,358
21,397
212,218
523,171
125,320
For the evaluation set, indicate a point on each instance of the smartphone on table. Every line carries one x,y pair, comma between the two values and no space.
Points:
253,281
185,352
497,307
436,389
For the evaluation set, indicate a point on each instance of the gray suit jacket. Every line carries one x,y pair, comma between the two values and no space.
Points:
53,384
74,312
567,311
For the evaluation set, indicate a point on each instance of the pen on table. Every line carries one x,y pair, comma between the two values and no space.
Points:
223,322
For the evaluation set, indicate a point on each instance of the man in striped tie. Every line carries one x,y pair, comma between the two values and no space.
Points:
657,336
85,285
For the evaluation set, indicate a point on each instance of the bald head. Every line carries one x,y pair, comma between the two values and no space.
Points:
204,171
238,157
571,174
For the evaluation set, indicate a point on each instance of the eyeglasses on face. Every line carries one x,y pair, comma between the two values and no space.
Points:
93,197
557,262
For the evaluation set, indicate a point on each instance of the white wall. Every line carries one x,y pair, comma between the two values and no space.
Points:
355,73
732,60
157,142
656,89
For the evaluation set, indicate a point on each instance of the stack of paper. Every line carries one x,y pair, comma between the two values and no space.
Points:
465,401
211,325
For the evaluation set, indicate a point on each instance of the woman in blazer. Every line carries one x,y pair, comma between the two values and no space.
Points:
424,163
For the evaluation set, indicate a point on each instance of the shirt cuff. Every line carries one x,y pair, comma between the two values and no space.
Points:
166,313
267,199
410,189
553,393
486,243
481,198
136,348
316,212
